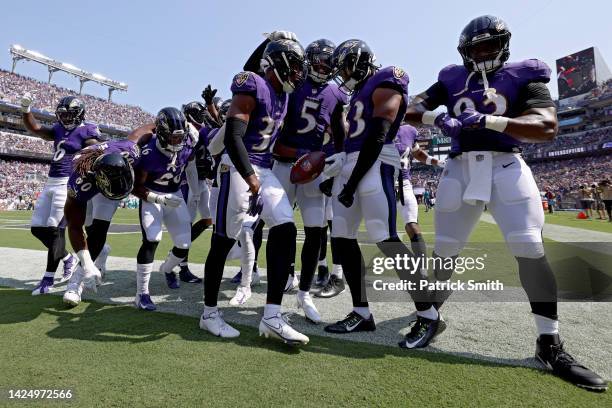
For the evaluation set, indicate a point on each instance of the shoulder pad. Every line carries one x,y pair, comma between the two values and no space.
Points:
393,75
530,70
245,81
451,73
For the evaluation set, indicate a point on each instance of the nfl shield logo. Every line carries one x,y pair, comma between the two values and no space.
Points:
223,168
479,157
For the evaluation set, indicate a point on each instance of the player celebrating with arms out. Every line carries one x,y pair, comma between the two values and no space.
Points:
69,135
493,106
247,185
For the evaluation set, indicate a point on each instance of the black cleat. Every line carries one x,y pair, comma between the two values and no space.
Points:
353,322
322,279
185,275
549,352
334,287
421,334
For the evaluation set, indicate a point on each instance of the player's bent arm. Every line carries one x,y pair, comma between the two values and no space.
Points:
90,142
142,133
75,212
191,172
536,125
235,128
36,128
386,103
140,191
423,157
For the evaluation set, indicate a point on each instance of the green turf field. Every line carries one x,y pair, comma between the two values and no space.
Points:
117,356
568,219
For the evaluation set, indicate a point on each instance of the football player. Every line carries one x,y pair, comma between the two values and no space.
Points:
364,186
164,158
69,135
314,109
104,169
329,285
494,105
203,121
248,186
407,147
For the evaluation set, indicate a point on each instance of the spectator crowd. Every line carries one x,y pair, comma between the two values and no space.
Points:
20,183
30,144
46,97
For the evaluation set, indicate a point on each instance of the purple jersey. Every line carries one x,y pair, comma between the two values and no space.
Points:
309,115
361,106
266,118
164,171
404,142
82,189
66,143
465,89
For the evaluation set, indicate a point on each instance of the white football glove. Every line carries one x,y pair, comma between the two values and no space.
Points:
441,164
281,35
193,202
333,164
26,101
92,277
167,200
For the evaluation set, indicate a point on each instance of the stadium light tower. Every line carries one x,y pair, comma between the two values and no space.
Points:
19,53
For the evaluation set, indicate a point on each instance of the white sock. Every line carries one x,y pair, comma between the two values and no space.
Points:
323,262
271,310
337,270
210,310
362,311
170,262
49,274
303,294
431,313
143,274
545,325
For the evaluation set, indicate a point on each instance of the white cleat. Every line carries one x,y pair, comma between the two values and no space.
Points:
243,293
215,324
278,327
72,296
101,259
310,310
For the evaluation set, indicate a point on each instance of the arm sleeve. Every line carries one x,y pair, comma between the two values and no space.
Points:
534,95
370,150
234,132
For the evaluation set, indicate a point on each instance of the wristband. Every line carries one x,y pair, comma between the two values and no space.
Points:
85,257
152,197
429,117
497,123
428,160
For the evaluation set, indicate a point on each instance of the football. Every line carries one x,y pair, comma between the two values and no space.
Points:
307,168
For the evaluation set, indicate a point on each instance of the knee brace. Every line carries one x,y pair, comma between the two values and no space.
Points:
146,253
526,243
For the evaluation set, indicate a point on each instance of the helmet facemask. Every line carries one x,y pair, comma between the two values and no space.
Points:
485,52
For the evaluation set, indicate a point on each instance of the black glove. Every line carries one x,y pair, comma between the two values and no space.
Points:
400,189
326,186
255,204
208,94
347,196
